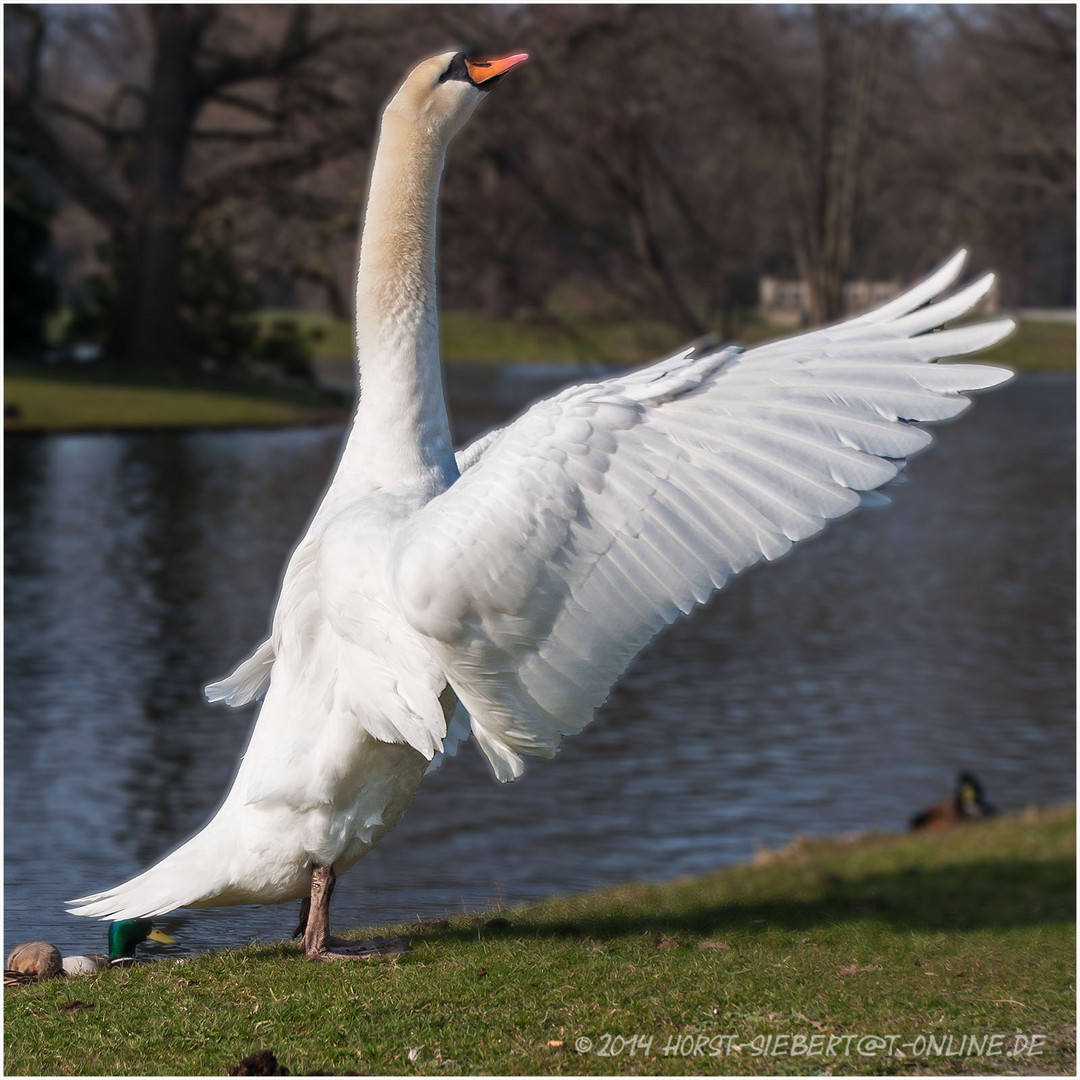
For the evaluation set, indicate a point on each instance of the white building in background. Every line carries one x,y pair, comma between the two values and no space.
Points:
864,295
787,303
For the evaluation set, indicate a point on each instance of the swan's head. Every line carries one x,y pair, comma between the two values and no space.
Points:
440,93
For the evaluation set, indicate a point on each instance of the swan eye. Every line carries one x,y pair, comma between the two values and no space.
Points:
458,69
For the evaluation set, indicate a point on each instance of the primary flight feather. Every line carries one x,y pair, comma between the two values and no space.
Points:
501,591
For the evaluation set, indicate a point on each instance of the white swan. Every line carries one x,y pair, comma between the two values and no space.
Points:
501,593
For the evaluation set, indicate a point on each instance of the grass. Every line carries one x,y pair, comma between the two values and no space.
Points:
93,397
1038,345
963,933
469,337
51,405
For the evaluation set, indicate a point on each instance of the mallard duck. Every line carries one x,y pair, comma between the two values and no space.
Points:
35,960
968,804
499,592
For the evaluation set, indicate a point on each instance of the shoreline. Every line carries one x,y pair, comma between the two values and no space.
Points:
296,416
40,431
967,932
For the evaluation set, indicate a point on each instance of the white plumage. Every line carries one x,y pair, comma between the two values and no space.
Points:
501,592
603,513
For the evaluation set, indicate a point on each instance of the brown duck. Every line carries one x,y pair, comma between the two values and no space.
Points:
968,804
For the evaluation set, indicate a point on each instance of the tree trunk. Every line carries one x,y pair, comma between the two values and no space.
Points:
145,329
831,178
146,317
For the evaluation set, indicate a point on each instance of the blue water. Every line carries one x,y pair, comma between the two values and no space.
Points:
839,689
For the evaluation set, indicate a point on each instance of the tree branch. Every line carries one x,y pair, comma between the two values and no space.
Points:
257,176
243,104
107,132
66,169
237,136
117,99
296,46
37,39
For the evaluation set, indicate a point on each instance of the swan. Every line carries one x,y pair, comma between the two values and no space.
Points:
499,592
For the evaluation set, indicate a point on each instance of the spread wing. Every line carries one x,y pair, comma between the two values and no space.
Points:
580,530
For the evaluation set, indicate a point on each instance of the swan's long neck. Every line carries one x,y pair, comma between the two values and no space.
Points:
401,428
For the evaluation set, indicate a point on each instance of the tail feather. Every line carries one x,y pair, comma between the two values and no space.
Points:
183,878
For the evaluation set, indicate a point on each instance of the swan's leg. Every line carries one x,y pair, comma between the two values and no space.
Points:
319,944
316,924
301,926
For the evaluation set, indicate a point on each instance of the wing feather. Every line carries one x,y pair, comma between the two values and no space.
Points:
249,682
580,530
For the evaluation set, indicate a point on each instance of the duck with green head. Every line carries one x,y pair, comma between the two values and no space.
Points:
40,960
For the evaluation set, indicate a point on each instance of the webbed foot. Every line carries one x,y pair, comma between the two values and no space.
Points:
336,948
319,943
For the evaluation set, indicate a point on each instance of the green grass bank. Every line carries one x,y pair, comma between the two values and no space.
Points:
58,399
53,404
94,397
947,953
1037,344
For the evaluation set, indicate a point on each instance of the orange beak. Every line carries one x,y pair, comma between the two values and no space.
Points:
480,71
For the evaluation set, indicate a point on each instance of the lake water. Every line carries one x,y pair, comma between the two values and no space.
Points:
839,689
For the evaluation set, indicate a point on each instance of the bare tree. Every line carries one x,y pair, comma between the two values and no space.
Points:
634,165
809,77
653,160
231,102
1008,77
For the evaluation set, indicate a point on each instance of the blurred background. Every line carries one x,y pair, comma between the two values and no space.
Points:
182,189
176,176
